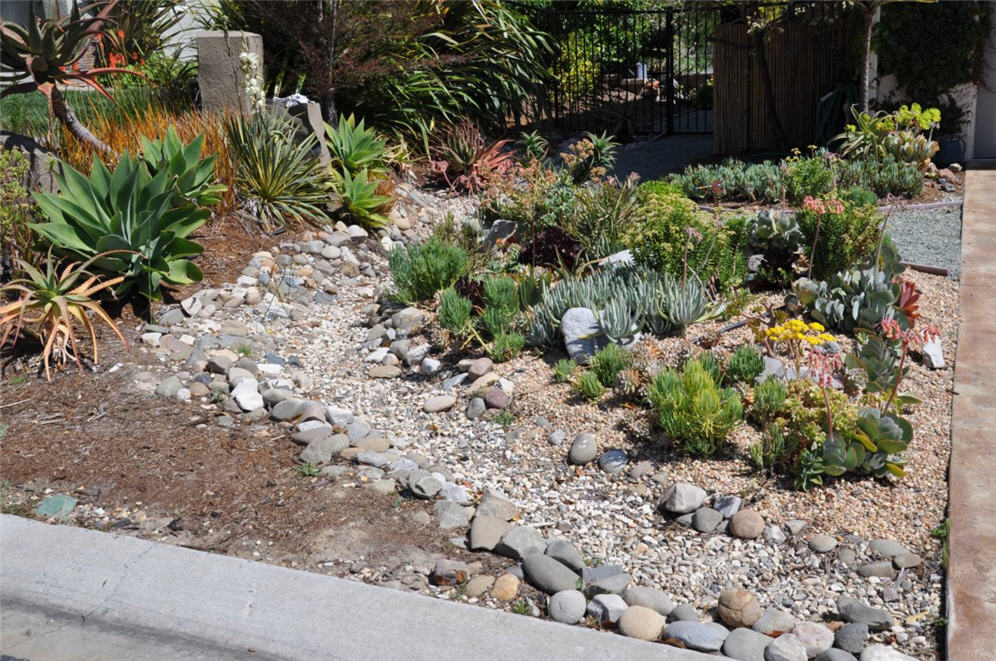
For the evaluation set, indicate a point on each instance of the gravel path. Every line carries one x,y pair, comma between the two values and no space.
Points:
931,237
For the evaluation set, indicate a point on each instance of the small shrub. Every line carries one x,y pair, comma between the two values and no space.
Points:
744,366
769,400
589,387
420,271
605,212
809,177
454,311
563,369
608,362
858,196
659,187
693,410
770,453
506,346
844,238
552,247
17,210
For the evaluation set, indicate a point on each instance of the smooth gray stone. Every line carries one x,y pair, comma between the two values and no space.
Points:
614,584
851,637
521,541
652,598
785,648
452,515
696,635
822,544
727,505
548,574
582,335
683,613
583,449
853,610
568,607
745,645
774,622
834,654
564,552
882,569
887,548
705,519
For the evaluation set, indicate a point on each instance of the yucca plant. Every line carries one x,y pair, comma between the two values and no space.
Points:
359,200
356,147
47,54
277,175
137,216
194,175
50,303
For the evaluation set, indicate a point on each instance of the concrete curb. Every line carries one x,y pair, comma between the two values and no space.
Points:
971,575
167,593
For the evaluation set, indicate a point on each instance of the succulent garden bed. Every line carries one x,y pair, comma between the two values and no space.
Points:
710,410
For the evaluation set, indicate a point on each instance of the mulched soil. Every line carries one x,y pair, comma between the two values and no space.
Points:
230,491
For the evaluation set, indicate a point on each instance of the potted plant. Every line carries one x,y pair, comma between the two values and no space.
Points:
951,145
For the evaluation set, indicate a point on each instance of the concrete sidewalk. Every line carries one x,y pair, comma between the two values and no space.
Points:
971,595
69,593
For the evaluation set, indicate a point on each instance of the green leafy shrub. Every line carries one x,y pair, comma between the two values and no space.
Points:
858,196
744,365
16,211
131,212
648,189
588,386
420,271
563,369
274,172
769,400
608,362
809,176
604,213
692,409
194,174
844,240
674,237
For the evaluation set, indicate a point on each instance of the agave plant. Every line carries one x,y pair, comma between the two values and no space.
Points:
130,212
277,175
359,200
51,302
194,175
356,147
47,54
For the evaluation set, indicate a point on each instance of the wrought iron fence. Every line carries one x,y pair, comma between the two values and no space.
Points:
651,71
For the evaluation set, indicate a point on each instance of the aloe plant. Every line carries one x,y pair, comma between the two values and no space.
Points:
194,175
44,54
130,212
51,303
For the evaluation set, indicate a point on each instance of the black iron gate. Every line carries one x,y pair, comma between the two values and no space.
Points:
629,72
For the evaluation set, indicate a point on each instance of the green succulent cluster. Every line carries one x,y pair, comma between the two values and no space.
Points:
850,300
142,218
842,239
737,180
625,300
690,407
494,327
194,175
745,365
769,400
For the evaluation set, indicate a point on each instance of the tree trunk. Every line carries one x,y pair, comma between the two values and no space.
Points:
866,65
66,115
769,91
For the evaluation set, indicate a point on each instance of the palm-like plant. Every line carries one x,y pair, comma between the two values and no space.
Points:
51,303
47,54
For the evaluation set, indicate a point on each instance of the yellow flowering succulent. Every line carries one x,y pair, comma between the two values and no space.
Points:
797,335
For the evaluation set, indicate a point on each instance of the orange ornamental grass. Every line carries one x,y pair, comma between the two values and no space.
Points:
124,132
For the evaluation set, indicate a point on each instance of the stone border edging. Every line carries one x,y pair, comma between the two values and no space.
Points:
238,604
